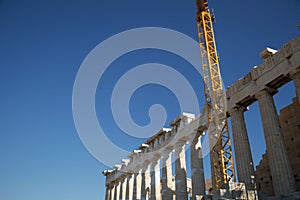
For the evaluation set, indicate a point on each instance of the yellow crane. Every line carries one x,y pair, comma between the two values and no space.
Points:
221,160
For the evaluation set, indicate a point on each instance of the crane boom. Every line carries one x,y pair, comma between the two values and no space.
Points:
221,160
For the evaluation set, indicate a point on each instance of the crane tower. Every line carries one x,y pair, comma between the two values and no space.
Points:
221,160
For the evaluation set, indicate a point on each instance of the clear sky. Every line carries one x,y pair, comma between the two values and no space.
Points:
42,45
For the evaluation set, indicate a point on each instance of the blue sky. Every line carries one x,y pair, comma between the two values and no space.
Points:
43,44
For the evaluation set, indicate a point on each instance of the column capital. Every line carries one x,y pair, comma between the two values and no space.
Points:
166,151
123,176
129,173
155,158
181,142
238,108
138,168
111,184
145,163
117,181
266,90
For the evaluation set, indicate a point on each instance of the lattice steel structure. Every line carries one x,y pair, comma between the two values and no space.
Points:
222,165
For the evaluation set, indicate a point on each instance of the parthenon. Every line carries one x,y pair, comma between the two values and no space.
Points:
147,174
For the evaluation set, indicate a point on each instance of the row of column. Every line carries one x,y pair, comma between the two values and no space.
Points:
282,177
142,186
157,185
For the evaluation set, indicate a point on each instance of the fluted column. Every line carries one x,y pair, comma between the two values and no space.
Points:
129,187
167,175
145,184
197,172
121,189
117,191
243,156
123,184
155,179
134,186
112,191
137,185
282,177
107,194
180,172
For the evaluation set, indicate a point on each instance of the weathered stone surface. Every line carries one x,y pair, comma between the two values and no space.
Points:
274,71
145,183
289,121
123,185
283,181
197,172
107,194
243,156
277,69
164,139
129,187
117,191
112,191
137,185
155,180
167,175
180,172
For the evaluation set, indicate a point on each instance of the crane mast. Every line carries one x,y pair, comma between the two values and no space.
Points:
221,160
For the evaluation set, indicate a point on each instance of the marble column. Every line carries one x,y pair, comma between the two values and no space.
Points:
129,187
117,191
243,156
112,191
123,184
167,175
107,194
134,186
145,184
197,172
137,185
180,172
120,188
282,177
155,179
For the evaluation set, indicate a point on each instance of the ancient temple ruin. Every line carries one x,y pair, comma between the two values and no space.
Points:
147,174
